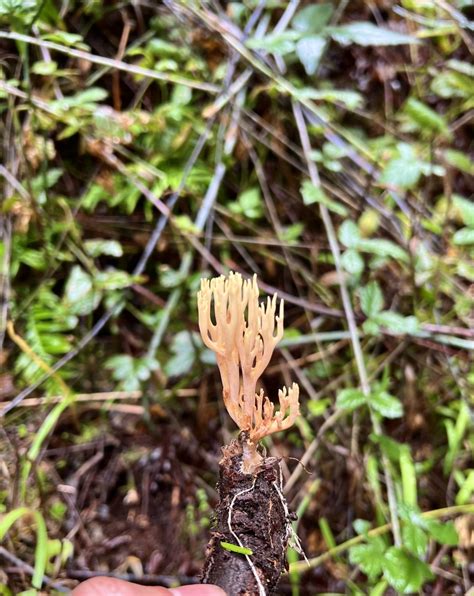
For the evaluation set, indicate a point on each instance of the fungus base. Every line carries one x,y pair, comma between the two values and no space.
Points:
252,513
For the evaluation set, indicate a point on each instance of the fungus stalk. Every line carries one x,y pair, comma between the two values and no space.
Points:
243,334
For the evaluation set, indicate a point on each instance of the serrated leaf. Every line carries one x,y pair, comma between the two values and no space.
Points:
80,297
403,171
349,234
183,347
352,262
17,7
349,399
404,572
415,539
369,557
385,404
371,299
397,323
367,34
309,50
315,194
313,18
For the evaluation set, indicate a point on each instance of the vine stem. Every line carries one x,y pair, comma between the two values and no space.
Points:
349,312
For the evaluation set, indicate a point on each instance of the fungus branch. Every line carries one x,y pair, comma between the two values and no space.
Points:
243,337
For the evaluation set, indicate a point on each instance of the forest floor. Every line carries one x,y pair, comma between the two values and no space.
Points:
326,147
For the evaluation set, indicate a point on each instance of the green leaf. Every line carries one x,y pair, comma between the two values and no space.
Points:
33,258
351,99
17,7
249,202
129,371
369,557
185,224
424,116
87,99
98,247
408,473
464,236
44,68
361,526
181,95
278,43
415,539
367,34
385,404
404,572
80,297
235,548
371,299
114,279
318,407
370,327
392,449
350,399
67,39
462,162
383,248
352,262
292,233
313,18
349,234
449,84
315,194
466,209
309,50
397,323
455,433
122,365
183,347
442,532
403,171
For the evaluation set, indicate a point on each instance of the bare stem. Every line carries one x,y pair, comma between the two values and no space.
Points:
349,312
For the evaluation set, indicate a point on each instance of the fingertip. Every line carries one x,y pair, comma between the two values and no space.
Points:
105,586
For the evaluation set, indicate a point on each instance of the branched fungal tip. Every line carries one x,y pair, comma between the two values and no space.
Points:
243,334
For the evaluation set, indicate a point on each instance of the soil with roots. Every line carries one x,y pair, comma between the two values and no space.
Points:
252,513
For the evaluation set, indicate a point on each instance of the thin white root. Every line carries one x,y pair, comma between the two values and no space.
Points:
291,535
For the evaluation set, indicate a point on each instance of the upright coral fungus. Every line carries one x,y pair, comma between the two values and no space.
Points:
252,511
243,337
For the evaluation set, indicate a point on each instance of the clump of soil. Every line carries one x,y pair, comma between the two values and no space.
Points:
251,513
